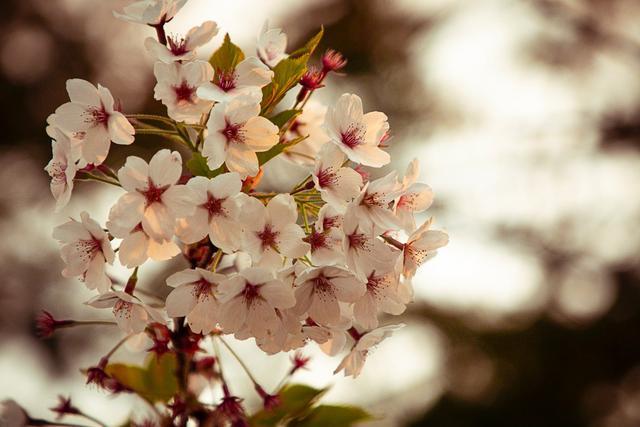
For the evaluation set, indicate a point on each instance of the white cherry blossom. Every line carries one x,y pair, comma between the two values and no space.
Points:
415,197
217,206
131,314
319,292
194,297
329,217
325,244
91,112
272,45
271,232
61,168
176,88
150,12
374,204
250,300
338,185
355,133
153,198
354,361
422,246
236,133
382,295
85,251
182,48
247,79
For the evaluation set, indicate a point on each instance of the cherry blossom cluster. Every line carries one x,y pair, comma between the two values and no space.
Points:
321,263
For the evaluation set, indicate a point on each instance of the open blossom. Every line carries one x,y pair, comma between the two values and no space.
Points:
250,299
61,168
325,244
92,113
153,199
357,134
374,204
271,232
363,250
131,314
137,246
415,197
236,133
272,44
421,246
319,292
382,295
329,217
248,78
85,251
182,48
194,297
354,361
308,124
338,185
150,12
217,206
176,88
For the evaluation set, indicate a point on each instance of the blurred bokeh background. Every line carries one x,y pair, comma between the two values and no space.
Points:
525,115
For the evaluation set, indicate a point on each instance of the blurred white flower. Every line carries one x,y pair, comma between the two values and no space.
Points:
338,185
415,197
271,46
150,12
61,168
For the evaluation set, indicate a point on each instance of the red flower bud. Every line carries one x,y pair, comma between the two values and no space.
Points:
333,60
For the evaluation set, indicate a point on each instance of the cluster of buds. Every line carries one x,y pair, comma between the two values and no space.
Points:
318,264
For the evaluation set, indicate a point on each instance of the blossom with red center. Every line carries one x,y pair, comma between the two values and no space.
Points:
374,205
236,133
421,246
176,87
250,300
382,295
131,314
333,60
246,79
355,133
182,48
325,245
216,208
338,185
194,297
92,112
153,198
415,197
320,290
271,232
85,250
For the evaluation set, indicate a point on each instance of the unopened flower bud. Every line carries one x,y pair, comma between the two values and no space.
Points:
65,407
333,60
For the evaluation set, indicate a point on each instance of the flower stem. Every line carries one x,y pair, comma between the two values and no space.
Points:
242,364
153,117
393,242
132,282
91,177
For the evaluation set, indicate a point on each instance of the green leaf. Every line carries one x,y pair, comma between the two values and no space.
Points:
283,117
156,382
264,157
197,165
332,415
310,46
285,76
227,56
295,401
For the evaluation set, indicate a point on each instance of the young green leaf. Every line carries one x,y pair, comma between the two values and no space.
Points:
296,401
227,56
277,149
156,382
197,165
283,117
285,76
330,415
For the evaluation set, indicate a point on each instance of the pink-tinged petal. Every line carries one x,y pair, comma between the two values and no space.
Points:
71,231
131,318
225,234
162,251
252,72
261,317
165,168
96,278
282,210
252,214
365,312
197,36
120,130
347,110
181,301
193,228
348,289
204,316
199,185
105,300
231,288
180,200
225,185
134,175
106,98
377,125
303,295
95,145
243,161
183,277
417,198
126,214
158,222
260,134
214,150
158,51
278,294
233,315
290,242
211,92
133,249
82,92
72,117
370,156
324,308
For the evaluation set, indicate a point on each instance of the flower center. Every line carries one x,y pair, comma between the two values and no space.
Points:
184,92
202,289
322,287
316,240
233,132
353,136
154,194
268,237
177,46
98,116
375,284
226,80
58,172
358,241
330,221
87,249
214,206
327,177
251,293
374,199
123,308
